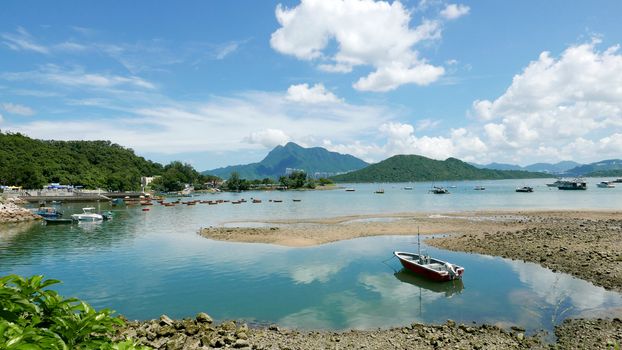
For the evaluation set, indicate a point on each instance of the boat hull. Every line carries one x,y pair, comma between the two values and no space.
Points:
422,270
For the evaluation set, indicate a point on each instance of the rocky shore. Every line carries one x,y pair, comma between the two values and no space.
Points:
202,333
10,212
588,247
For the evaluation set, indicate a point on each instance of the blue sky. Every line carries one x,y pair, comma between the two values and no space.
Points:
217,83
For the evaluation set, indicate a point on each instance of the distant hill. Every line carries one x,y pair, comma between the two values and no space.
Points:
557,168
403,168
311,160
597,168
33,163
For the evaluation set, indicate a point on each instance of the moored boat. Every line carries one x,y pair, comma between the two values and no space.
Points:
479,188
87,215
350,189
408,188
439,190
379,191
428,267
576,184
48,212
524,189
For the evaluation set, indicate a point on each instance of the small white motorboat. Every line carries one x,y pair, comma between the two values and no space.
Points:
606,184
87,215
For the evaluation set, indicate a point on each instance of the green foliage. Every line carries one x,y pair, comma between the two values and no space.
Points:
404,168
324,181
235,183
297,179
33,317
605,173
32,163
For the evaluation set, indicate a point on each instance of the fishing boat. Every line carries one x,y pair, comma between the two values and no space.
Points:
48,212
87,215
556,183
524,189
379,191
439,190
606,184
428,267
479,188
296,200
350,189
576,184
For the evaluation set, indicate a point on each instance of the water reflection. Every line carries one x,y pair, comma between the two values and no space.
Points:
448,288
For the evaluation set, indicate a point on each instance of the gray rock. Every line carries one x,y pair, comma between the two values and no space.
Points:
241,343
165,320
204,318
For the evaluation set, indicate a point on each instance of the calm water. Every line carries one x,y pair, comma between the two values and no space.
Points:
144,264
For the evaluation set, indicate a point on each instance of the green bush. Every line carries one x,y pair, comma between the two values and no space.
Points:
32,317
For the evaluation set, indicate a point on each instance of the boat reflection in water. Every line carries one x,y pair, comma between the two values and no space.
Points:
449,288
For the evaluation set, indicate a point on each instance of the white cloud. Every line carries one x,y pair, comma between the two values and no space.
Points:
252,120
400,138
77,77
453,11
17,109
1,118
22,41
269,138
226,50
367,33
315,94
558,104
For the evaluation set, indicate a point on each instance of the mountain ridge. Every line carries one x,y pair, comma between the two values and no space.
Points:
293,156
405,168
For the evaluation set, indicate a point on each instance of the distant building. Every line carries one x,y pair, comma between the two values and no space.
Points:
289,171
146,180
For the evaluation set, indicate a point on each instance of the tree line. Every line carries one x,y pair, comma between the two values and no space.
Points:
32,164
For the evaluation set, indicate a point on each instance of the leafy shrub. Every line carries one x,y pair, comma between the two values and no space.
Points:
32,318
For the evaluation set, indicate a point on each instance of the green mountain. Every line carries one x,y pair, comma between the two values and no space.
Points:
315,161
33,163
602,168
404,168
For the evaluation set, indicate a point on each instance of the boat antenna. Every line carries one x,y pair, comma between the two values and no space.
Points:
418,243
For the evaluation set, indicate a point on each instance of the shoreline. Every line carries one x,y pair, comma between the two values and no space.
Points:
11,212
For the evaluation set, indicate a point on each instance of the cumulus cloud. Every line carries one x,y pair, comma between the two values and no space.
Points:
556,104
367,33
453,11
17,109
269,138
315,94
400,138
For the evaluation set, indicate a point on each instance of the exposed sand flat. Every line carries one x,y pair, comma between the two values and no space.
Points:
587,244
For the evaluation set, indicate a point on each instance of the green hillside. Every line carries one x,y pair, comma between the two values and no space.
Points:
311,160
609,167
33,163
605,173
404,168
